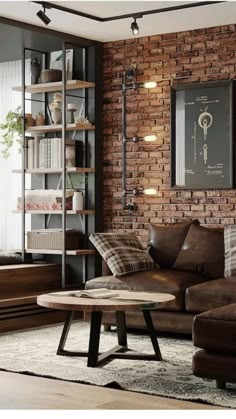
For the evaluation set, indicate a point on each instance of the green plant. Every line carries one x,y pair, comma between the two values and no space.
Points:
11,131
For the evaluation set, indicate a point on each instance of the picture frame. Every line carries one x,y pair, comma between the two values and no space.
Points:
203,135
56,62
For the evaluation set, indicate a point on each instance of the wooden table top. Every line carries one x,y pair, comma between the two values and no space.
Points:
125,301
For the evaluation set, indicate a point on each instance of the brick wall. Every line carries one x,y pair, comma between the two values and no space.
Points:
191,56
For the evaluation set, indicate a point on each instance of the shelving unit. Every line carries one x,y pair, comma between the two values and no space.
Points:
55,128
55,171
54,87
45,176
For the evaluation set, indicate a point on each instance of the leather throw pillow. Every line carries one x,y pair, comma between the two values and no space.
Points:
165,242
202,252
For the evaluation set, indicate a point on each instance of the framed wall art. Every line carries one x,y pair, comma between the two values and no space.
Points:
202,135
56,62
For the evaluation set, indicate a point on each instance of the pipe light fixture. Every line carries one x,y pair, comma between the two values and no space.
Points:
127,84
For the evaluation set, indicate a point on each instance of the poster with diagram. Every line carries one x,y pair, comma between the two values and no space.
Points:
202,135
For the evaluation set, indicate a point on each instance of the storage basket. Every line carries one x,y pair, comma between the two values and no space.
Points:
52,239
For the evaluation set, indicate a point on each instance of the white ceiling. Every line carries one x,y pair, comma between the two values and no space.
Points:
165,22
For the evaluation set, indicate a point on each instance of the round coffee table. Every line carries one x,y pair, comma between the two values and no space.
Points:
150,301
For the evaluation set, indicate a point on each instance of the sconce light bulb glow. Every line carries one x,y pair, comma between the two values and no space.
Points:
150,84
150,138
150,191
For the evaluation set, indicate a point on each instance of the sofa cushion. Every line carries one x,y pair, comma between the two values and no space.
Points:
202,252
211,294
215,330
159,280
9,258
165,242
123,252
230,250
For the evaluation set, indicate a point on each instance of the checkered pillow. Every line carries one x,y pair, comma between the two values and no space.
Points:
230,250
122,252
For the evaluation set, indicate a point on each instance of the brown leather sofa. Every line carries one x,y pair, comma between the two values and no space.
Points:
215,333
191,260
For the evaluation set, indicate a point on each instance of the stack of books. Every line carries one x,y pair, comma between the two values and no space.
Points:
44,153
50,199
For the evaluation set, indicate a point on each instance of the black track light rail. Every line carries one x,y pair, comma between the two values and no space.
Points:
49,5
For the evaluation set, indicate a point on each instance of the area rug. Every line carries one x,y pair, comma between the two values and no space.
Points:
33,352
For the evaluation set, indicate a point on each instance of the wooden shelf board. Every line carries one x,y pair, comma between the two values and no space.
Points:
51,171
55,86
55,128
69,212
77,252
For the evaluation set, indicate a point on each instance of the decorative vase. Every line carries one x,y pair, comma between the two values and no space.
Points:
39,120
29,120
56,116
35,70
70,156
77,201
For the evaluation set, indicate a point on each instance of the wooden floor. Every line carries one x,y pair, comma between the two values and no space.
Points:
19,391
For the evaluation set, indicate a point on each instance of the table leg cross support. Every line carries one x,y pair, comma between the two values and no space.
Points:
96,358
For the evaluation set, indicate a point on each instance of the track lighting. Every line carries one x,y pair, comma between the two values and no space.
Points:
134,27
42,15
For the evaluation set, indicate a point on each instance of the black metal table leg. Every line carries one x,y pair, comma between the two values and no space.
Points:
94,338
65,332
152,333
121,328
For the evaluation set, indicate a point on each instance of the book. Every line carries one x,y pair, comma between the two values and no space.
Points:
99,293
96,293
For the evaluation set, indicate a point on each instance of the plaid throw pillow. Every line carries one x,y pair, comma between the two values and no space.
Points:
122,252
230,250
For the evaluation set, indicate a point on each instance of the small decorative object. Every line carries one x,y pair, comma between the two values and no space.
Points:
77,201
35,70
29,120
82,120
70,156
55,108
49,76
39,119
71,108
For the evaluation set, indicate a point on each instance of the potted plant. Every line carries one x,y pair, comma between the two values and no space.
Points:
12,130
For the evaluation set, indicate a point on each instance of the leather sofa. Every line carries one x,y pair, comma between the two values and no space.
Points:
191,261
215,333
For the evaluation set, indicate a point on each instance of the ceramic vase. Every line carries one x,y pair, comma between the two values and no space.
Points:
70,156
35,70
77,201
56,116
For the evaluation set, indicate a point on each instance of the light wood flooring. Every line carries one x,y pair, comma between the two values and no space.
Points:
19,391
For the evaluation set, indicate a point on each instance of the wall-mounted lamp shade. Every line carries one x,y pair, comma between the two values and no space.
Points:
150,138
150,84
151,191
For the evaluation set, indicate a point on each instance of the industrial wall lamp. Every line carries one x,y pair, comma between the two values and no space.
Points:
128,84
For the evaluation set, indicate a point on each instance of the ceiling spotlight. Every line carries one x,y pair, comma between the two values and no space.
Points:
134,27
42,16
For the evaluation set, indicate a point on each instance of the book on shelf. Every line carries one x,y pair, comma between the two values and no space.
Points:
44,153
100,293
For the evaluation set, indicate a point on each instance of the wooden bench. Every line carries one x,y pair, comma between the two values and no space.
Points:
19,287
